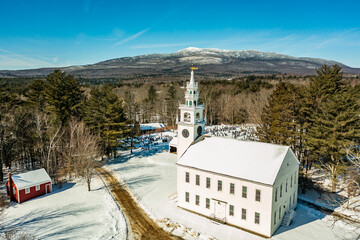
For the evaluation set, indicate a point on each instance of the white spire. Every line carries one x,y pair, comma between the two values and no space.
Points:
192,78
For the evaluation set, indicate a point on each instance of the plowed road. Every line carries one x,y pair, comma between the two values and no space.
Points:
142,226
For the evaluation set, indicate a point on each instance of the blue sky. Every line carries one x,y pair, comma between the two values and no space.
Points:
48,33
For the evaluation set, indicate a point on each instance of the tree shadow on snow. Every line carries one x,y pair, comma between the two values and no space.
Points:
140,154
50,219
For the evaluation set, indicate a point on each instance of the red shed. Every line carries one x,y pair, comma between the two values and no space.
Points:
24,186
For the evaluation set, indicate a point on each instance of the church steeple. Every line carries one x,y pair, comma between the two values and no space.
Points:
191,124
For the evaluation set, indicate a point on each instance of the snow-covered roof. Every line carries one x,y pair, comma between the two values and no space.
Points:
254,161
32,178
151,126
174,141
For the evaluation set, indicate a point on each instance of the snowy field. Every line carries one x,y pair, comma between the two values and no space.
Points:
151,175
70,212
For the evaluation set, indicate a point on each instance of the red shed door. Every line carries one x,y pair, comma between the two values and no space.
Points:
47,187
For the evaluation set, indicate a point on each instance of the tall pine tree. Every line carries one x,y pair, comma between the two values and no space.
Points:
104,114
334,120
64,96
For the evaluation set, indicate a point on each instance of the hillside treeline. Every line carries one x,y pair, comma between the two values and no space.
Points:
58,124
321,123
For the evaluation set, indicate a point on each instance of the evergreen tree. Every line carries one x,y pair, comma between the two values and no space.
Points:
279,120
284,120
105,116
334,120
36,94
64,96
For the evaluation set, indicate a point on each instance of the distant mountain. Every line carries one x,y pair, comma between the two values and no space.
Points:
211,62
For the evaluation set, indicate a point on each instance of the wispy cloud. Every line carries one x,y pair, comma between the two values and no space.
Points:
136,35
10,60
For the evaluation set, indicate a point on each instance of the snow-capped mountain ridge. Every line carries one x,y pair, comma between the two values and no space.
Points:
211,62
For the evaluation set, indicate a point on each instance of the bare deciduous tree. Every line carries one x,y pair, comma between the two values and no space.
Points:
82,151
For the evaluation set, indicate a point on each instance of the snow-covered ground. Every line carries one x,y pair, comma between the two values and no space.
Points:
151,175
70,212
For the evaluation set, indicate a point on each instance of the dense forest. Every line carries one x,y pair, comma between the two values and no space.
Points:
63,124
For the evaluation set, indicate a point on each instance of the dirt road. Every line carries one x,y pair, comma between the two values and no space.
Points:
142,226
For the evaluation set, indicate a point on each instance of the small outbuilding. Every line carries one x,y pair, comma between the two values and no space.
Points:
24,186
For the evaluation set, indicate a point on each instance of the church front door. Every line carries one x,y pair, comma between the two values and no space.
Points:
220,210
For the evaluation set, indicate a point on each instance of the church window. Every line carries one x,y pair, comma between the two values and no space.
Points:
194,103
219,185
198,180
197,116
187,117
231,210
275,218
257,195
243,213
279,212
257,218
244,192
207,182
187,196
280,190
190,103
187,177
232,188
197,200
294,198
291,181
276,194
286,184
194,92
190,92
187,102
207,203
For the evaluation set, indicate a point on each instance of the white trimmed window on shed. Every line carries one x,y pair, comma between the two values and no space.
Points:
37,187
27,190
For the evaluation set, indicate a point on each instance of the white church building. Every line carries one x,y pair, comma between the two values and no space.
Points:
250,185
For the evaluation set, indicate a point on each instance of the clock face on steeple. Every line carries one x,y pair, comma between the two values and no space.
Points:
199,130
185,133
